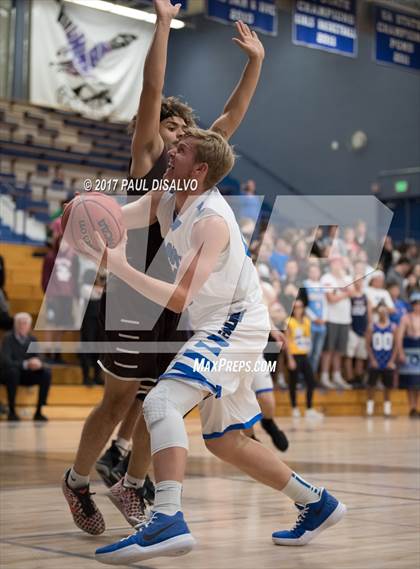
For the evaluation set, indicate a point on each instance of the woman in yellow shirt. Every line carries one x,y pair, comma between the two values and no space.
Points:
299,348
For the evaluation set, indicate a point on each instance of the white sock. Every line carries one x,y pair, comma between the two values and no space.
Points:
325,376
387,407
370,406
300,491
123,446
75,480
168,497
131,482
337,376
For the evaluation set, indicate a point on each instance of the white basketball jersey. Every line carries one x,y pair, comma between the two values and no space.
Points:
233,285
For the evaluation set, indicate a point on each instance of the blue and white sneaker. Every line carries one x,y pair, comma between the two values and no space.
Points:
313,519
161,536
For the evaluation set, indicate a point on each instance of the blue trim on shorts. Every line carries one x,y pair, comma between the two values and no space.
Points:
195,356
235,427
264,390
215,389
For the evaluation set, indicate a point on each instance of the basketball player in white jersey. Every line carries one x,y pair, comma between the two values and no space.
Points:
217,282
158,125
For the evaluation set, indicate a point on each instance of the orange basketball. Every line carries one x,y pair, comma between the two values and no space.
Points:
86,214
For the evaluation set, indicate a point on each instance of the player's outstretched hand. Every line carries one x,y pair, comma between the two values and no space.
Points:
249,41
165,10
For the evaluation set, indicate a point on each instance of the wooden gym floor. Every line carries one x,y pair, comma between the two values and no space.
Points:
372,465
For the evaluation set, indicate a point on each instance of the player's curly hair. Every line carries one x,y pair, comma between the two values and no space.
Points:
171,107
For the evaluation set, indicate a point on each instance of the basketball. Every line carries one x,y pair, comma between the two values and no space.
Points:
86,214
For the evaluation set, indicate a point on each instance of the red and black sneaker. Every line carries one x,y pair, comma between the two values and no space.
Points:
118,472
129,501
85,513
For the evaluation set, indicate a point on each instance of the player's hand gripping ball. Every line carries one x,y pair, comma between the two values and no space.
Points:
88,215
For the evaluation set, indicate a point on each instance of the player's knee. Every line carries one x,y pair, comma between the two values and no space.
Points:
158,406
155,406
164,420
267,402
169,397
114,407
113,415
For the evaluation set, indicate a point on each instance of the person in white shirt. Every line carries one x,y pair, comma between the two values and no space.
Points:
218,285
338,289
377,293
316,309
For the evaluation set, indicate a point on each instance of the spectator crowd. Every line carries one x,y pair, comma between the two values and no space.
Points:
360,323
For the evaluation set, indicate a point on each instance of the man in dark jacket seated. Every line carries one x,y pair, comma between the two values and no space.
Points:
20,368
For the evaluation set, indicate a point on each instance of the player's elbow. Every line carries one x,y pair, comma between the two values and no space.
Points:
236,115
175,307
178,301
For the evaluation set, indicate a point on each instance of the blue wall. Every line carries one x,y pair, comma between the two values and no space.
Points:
306,99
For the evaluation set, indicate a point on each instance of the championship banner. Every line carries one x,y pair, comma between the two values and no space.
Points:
86,60
329,25
397,40
260,15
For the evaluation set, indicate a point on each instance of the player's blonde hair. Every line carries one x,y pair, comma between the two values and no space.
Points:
214,150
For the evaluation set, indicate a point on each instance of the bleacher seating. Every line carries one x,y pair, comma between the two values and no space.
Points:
23,277
45,154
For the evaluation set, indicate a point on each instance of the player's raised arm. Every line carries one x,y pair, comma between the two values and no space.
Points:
239,101
147,144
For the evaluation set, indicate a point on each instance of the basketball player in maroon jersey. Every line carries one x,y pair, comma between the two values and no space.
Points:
155,131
